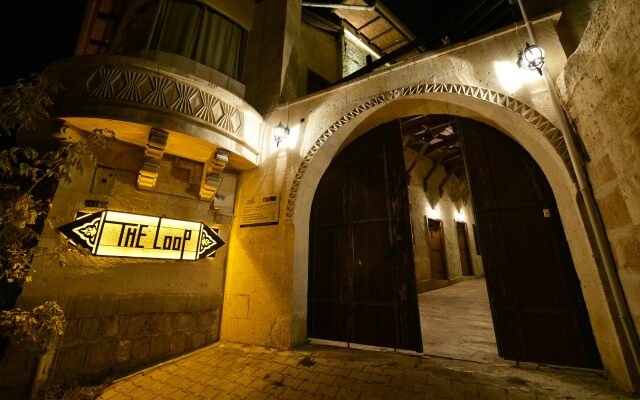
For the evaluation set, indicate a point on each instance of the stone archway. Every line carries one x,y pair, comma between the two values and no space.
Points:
529,128
546,128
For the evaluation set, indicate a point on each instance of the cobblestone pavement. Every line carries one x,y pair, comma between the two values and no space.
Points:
231,371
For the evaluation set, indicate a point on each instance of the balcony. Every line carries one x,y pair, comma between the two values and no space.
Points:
131,95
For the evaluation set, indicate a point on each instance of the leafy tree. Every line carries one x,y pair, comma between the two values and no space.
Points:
27,183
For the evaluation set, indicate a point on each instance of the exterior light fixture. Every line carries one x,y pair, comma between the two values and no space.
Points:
280,133
533,57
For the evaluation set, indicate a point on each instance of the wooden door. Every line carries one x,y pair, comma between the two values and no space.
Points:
362,285
537,305
463,246
436,250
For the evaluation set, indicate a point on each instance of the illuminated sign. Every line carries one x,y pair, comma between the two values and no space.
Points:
111,233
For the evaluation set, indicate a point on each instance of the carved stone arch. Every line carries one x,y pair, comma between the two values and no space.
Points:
550,132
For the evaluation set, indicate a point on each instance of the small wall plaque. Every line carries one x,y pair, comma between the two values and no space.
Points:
260,210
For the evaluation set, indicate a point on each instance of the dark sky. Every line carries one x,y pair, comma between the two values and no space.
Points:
34,33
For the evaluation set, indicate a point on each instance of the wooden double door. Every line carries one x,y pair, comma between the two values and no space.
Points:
362,285
538,310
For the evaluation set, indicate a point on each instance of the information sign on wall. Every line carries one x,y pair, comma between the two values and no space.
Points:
260,210
112,233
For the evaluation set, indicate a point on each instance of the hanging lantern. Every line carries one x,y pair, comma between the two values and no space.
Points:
532,57
280,133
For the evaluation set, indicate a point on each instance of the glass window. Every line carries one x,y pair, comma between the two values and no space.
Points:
191,29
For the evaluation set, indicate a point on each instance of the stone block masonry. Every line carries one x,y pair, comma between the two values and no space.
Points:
600,89
108,335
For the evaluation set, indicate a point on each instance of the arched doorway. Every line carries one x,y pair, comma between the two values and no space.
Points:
537,305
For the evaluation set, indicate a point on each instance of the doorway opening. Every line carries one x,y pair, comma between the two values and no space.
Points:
429,217
455,315
437,254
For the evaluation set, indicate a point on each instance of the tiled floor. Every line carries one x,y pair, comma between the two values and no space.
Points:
231,371
456,322
467,366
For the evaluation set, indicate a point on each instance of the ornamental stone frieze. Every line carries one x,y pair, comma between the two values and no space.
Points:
145,92
547,129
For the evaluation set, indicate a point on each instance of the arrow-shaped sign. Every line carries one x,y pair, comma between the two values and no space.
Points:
112,233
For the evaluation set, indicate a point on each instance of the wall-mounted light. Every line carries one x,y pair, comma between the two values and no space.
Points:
532,57
433,211
280,133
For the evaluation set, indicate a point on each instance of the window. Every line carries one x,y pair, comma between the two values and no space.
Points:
189,28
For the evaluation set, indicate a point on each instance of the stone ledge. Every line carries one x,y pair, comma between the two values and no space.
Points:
141,91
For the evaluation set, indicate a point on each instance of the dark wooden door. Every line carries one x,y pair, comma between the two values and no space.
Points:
362,285
463,246
436,250
537,305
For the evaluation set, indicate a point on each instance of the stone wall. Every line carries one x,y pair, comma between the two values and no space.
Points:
574,20
354,57
600,89
271,68
265,291
320,53
106,335
125,313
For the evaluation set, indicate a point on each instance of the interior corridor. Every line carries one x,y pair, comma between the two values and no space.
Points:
456,322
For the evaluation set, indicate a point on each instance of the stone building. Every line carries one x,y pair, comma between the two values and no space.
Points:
196,94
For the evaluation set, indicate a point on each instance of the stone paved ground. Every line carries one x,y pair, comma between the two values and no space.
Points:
231,371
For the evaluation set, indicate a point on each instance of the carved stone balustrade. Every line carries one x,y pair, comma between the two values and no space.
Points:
131,95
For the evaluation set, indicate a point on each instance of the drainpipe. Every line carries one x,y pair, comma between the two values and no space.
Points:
593,216
340,6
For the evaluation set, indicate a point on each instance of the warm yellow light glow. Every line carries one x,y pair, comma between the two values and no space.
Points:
361,44
294,134
511,77
112,233
433,212
133,235
460,215
252,129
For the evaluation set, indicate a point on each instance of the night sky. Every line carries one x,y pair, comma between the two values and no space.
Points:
34,33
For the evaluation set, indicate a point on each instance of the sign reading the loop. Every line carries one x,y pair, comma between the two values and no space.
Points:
117,234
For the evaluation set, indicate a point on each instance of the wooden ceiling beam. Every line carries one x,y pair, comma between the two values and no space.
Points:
425,180
444,143
412,45
381,34
415,160
451,157
368,23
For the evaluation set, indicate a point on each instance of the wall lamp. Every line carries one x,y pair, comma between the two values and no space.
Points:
280,133
532,57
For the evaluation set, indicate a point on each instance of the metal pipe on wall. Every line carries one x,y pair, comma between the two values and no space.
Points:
594,220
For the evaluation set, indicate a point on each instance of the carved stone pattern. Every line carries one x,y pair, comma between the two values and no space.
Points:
546,128
142,87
